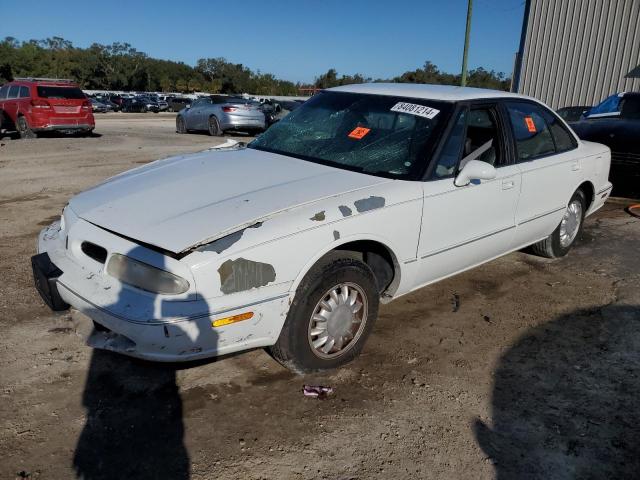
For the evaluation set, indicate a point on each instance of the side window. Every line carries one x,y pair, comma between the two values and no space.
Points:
563,140
24,92
475,136
532,135
13,91
3,92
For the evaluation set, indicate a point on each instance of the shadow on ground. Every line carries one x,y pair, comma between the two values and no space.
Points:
566,400
134,416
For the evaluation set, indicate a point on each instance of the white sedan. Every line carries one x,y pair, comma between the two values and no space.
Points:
361,195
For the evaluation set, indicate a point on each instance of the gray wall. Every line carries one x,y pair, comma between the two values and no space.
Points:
578,52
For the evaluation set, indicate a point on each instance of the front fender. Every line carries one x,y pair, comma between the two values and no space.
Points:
272,256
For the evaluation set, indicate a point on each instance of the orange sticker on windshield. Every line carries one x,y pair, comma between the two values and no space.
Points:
530,125
359,132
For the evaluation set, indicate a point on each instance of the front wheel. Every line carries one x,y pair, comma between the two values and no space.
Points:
24,130
564,236
331,315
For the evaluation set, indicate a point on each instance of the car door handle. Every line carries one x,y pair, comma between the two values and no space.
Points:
508,184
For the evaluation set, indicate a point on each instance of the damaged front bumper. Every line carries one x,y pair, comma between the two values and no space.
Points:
151,326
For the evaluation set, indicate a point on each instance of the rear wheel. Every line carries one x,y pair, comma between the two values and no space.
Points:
564,236
331,315
23,128
214,127
180,125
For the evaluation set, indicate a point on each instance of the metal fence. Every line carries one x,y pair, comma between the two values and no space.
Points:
578,52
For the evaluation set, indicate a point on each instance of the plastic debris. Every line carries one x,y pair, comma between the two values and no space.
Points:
317,391
230,144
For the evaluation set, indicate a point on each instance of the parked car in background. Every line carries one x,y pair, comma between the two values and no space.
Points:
274,111
106,100
139,104
572,114
218,113
116,100
178,103
150,105
133,105
33,105
99,107
363,194
163,105
615,122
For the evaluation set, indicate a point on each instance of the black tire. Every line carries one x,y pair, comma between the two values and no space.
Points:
214,127
23,128
552,247
293,348
85,133
180,125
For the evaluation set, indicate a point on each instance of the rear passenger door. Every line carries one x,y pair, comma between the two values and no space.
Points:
547,156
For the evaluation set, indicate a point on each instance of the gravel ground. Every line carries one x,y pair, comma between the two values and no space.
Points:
535,375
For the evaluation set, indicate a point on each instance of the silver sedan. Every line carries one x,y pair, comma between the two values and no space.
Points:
218,113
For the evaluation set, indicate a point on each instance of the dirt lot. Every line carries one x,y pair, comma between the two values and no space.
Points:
535,375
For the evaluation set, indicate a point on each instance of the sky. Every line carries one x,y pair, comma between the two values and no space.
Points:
294,40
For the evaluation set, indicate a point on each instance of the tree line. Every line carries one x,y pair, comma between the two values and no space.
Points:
120,66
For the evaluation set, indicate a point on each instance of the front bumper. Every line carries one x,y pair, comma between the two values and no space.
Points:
154,327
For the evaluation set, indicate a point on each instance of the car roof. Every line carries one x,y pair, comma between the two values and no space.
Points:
426,91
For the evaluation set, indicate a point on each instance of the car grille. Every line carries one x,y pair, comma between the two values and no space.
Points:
626,158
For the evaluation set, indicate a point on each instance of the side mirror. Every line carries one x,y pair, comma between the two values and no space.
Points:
475,170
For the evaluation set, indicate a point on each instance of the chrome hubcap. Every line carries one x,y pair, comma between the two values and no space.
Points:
570,223
338,320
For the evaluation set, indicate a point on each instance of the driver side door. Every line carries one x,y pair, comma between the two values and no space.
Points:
464,226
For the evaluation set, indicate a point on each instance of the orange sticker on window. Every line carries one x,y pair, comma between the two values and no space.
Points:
359,132
530,125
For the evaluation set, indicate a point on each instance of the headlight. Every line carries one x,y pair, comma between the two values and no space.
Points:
145,276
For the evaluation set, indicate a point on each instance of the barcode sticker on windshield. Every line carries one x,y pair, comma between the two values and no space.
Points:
414,109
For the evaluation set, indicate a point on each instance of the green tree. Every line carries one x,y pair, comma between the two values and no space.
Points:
181,85
166,84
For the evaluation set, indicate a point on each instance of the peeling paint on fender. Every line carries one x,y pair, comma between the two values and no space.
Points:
221,244
345,211
318,217
242,274
371,203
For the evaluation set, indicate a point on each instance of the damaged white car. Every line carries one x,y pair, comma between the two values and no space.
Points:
359,196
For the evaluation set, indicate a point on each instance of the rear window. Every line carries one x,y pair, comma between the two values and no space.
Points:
24,92
70,93
3,92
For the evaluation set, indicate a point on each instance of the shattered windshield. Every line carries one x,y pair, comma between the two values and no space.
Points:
375,134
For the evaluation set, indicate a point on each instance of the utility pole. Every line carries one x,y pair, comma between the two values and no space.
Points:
463,80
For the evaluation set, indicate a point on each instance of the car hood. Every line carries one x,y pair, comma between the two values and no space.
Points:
178,203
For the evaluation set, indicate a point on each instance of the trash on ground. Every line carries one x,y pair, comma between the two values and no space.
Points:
455,302
317,391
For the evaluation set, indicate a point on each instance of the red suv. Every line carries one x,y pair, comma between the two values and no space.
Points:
31,105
